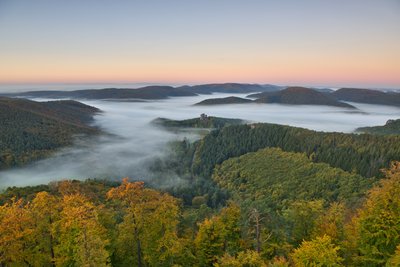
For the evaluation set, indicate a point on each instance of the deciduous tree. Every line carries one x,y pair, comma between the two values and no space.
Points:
317,252
82,239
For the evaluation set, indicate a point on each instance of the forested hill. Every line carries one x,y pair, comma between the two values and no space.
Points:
30,130
232,88
273,182
225,100
361,153
148,92
203,121
152,92
296,95
299,96
367,96
391,127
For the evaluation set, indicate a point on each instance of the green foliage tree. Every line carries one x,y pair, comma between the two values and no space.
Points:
301,217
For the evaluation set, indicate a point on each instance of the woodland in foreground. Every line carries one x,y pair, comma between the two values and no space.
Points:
95,223
252,195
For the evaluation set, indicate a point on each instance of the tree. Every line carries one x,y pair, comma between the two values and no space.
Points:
147,234
317,252
301,217
331,223
378,222
15,233
218,235
45,210
248,258
279,262
256,218
82,239
395,259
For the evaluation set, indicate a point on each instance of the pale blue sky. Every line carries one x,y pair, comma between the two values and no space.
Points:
341,42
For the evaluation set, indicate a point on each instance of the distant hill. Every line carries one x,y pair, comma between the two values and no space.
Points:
298,96
30,130
367,96
267,93
203,121
148,92
391,127
233,88
151,92
225,100
324,90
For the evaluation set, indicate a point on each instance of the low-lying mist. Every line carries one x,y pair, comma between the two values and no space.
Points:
134,142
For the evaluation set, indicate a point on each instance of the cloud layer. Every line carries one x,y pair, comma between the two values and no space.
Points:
134,142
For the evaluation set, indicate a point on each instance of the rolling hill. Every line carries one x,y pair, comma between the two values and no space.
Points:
30,130
298,96
148,92
367,96
203,121
233,88
391,127
151,92
225,100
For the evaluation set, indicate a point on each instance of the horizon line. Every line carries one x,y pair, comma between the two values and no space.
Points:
177,84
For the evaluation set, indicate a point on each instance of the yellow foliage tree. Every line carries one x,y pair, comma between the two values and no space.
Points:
45,210
15,233
147,234
218,235
395,259
317,252
332,222
82,239
249,258
378,222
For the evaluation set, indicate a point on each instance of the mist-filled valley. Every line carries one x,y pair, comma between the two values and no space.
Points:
131,142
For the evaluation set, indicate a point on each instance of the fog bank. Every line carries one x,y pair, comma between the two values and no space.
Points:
134,142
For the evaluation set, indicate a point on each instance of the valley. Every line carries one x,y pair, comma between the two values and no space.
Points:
228,166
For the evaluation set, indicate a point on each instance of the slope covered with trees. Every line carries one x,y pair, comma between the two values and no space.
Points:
152,92
274,179
364,154
299,96
367,96
30,130
391,127
148,92
224,101
203,121
285,188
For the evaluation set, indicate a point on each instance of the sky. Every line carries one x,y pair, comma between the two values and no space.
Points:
287,42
